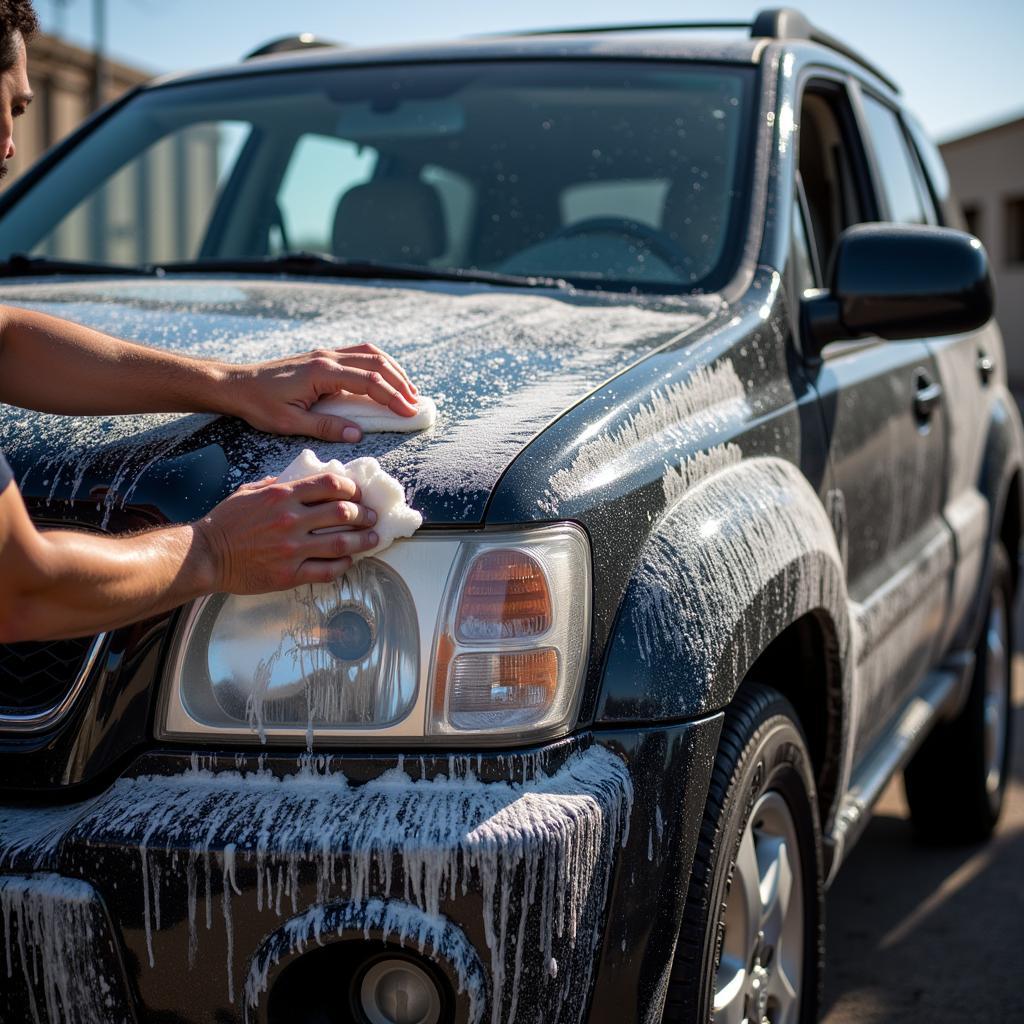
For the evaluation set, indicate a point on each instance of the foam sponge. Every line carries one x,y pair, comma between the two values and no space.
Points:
380,491
375,418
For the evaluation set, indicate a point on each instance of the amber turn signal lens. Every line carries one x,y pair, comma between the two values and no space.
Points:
482,684
505,596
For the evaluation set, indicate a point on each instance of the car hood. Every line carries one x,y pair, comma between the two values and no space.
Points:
501,364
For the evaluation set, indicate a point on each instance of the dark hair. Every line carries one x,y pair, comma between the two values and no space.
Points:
17,18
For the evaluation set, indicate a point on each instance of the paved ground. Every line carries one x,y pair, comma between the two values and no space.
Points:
933,935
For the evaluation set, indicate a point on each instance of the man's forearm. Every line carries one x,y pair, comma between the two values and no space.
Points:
56,366
89,583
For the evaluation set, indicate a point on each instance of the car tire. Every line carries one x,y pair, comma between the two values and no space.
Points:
956,781
742,937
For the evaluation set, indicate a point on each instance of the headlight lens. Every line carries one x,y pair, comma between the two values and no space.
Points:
441,636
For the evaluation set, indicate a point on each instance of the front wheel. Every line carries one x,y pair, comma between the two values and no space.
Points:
750,947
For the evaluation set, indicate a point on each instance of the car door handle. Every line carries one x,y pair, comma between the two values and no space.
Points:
985,367
927,396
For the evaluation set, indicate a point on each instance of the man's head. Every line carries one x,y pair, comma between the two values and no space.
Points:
17,24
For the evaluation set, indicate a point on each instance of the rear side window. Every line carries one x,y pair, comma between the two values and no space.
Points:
322,169
904,190
827,168
930,157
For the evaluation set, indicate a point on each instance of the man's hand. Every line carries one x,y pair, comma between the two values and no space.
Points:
277,396
261,537
56,366
63,583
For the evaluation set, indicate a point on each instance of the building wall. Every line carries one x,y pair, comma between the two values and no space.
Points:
987,172
62,80
157,206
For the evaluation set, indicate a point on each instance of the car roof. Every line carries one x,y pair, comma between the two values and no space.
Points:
660,45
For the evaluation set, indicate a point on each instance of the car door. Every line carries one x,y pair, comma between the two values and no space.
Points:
886,425
970,366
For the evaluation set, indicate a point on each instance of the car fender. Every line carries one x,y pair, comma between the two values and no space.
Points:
741,555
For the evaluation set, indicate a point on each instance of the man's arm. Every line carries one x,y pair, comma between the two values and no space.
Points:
61,583
56,366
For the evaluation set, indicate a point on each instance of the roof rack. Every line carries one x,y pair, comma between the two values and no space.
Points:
789,23
285,44
779,23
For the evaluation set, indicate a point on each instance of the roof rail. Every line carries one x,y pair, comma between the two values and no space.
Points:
285,44
653,26
788,23
780,23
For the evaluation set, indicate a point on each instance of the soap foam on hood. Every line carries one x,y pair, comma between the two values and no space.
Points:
500,363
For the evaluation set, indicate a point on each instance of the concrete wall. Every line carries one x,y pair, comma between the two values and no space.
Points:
62,80
987,170
157,207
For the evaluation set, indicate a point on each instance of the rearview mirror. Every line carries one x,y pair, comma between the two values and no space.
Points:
900,281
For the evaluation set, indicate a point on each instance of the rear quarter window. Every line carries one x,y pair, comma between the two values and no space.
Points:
906,196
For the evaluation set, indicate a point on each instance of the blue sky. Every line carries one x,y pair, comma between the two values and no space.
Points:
959,61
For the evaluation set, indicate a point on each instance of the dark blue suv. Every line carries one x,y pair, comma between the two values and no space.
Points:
721,511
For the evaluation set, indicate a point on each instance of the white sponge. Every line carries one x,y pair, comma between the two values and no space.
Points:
375,418
380,491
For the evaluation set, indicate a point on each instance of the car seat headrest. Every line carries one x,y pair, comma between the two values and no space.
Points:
390,221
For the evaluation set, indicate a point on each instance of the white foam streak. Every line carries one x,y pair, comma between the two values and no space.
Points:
710,401
539,851
708,559
47,923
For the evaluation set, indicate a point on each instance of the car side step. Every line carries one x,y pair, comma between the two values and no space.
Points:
888,756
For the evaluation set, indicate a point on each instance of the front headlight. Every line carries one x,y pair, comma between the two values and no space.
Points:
439,637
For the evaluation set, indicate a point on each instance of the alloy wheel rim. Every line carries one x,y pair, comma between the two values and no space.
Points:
995,708
760,972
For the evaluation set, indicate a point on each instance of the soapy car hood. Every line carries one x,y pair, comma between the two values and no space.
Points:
501,364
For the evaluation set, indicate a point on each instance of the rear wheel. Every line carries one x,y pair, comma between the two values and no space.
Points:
750,947
955,782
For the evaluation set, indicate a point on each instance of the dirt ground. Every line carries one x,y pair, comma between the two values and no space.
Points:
932,935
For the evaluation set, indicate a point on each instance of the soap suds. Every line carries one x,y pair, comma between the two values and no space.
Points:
710,402
709,558
376,418
500,363
695,468
378,490
389,920
538,855
52,930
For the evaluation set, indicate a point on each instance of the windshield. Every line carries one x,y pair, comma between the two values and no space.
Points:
598,172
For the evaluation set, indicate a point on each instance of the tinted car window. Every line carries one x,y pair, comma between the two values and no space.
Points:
934,166
897,168
153,204
612,172
826,169
321,170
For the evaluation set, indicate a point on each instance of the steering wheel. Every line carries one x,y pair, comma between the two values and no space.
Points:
654,239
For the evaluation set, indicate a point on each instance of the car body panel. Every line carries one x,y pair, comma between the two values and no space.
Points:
199,893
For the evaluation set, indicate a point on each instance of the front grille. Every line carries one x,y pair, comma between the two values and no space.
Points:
37,676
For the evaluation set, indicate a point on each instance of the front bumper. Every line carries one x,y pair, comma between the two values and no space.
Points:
541,884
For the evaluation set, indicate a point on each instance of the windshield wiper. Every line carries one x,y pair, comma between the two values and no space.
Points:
18,264
311,264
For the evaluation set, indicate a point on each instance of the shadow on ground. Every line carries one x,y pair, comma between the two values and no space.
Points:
918,933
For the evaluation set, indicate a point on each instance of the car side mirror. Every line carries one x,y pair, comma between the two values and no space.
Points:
900,281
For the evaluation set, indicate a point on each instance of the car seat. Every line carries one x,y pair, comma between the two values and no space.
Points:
391,222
